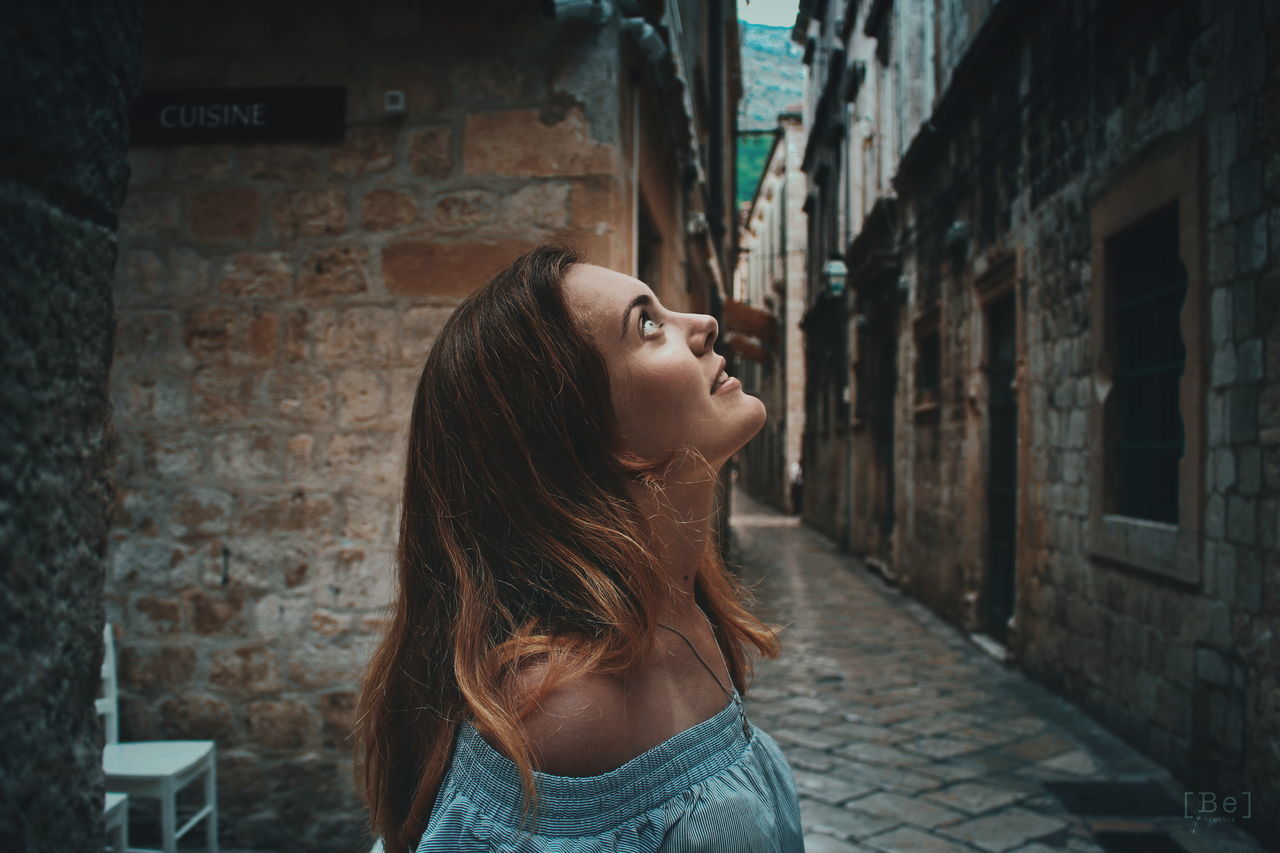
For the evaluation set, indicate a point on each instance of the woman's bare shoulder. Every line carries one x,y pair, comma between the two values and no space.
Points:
580,728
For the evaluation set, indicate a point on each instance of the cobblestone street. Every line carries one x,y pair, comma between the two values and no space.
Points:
904,736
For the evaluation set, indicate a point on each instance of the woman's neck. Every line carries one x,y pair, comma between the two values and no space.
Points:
680,519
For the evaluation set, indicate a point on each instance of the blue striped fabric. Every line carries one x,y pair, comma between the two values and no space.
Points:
722,786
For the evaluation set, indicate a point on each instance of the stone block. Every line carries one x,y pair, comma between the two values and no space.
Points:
149,215
1224,469
165,665
147,394
340,270
1225,368
188,274
1215,516
1244,300
147,336
298,453
298,393
1220,317
245,669
1250,361
256,275
200,511
464,209
1242,415
279,724
384,209
309,213
221,334
1212,667
153,614
1251,244
221,394
1246,187
430,152
419,326
280,617
361,396
209,613
294,340
423,267
1242,520
1250,469
282,163
362,455
201,163
191,716
337,710
541,204
140,277
353,335
315,665
245,455
561,147
364,151
327,623
298,512
1005,829
228,214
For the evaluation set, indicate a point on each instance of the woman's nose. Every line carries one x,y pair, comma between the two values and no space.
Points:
709,329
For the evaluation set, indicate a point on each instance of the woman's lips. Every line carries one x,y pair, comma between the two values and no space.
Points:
727,385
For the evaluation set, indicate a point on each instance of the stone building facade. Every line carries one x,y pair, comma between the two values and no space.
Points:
769,277
276,303
1060,332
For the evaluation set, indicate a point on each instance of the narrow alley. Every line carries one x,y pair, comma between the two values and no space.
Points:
906,737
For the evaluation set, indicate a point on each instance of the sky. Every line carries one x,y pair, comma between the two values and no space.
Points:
771,13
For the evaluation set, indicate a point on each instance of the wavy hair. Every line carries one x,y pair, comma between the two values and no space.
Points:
518,543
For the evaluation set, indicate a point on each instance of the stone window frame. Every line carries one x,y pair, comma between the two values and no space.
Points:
1171,551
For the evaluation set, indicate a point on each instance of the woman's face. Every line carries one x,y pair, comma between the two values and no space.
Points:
661,369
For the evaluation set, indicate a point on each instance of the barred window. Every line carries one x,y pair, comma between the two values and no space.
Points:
1145,437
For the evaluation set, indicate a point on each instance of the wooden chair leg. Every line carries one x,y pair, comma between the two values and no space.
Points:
168,818
211,799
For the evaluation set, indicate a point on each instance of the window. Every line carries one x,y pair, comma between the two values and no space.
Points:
1145,424
928,367
1145,438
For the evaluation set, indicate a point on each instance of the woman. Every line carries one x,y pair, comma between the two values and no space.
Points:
566,650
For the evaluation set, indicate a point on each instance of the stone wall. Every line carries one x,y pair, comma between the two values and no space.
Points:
276,305
68,74
1186,668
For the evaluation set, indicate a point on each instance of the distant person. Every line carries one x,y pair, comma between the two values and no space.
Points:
797,488
567,651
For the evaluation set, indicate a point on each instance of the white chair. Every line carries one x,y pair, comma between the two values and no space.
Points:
115,814
157,768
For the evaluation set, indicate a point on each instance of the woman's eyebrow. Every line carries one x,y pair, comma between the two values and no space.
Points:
642,299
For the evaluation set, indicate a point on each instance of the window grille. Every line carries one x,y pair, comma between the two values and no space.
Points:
1148,284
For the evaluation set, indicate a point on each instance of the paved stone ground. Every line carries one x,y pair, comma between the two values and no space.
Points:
903,735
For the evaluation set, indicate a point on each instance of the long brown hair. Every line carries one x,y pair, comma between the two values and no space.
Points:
518,542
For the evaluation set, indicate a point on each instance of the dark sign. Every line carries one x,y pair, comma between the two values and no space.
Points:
280,114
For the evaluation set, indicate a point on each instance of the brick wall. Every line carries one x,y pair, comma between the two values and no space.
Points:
276,303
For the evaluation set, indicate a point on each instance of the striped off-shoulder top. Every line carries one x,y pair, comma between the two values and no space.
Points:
721,786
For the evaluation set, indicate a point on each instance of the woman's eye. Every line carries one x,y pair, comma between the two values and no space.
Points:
644,319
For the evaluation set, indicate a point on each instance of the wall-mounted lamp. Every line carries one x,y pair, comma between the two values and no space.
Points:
834,273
